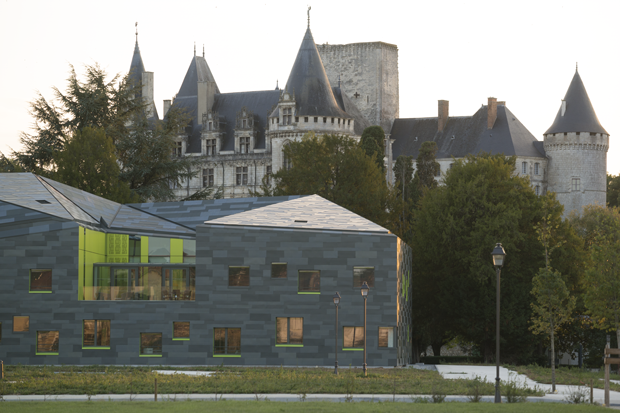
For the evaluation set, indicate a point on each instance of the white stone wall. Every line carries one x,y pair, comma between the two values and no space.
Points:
369,77
582,156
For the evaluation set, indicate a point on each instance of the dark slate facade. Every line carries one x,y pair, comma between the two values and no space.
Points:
308,233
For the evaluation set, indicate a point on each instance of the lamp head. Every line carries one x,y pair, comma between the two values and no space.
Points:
337,298
499,255
364,289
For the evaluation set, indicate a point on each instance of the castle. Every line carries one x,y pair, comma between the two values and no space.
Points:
342,89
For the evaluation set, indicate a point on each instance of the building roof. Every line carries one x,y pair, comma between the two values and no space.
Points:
360,122
310,213
466,135
308,82
137,66
579,115
193,213
198,71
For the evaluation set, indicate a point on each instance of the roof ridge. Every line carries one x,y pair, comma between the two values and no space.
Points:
59,195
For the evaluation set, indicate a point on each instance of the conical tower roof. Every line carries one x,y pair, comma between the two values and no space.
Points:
579,115
308,81
198,71
137,67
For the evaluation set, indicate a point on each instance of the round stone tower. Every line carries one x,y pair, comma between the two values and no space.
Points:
576,146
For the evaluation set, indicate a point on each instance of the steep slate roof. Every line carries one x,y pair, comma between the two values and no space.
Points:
471,136
137,66
229,104
579,115
310,212
345,104
308,82
194,213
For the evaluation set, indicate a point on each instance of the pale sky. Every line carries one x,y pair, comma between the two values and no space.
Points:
521,52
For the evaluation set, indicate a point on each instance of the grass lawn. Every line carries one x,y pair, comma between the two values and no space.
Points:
268,407
51,380
565,375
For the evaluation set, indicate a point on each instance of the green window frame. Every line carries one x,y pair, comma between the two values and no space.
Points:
386,337
289,332
353,338
151,344
309,282
180,330
226,342
361,274
21,323
278,270
96,334
40,280
48,343
238,276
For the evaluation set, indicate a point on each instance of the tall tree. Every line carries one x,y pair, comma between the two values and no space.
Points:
338,169
613,190
88,162
553,304
482,202
427,167
373,143
9,165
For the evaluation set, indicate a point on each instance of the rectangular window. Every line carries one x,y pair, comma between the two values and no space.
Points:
324,120
361,274
242,175
245,123
353,337
41,281
306,119
296,119
211,146
180,330
278,270
576,184
226,342
309,282
524,167
159,250
244,144
21,323
536,167
316,119
178,149
189,251
150,345
290,331
96,333
238,276
208,178
438,174
47,342
537,190
332,120
349,122
386,337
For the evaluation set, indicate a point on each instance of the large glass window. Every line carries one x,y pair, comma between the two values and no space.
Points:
150,344
47,342
226,341
353,337
238,276
40,280
361,274
309,281
143,282
21,323
135,251
278,270
386,337
180,330
289,331
96,333
189,251
159,250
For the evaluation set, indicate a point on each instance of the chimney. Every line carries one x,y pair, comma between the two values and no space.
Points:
167,104
492,112
501,103
442,116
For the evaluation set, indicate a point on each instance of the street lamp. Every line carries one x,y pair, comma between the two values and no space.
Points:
336,301
364,290
499,255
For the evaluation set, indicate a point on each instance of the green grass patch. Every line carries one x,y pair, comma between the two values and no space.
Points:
91,380
268,407
567,375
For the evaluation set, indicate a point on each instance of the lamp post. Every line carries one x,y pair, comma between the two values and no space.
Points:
499,255
364,290
336,301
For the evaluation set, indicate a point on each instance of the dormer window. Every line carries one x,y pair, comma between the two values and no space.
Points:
296,119
324,120
332,120
211,143
210,126
244,144
306,119
245,123
287,118
316,119
177,152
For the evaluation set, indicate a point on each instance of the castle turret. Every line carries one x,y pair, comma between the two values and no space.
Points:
576,145
143,80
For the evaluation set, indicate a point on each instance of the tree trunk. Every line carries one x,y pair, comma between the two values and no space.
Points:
436,345
552,359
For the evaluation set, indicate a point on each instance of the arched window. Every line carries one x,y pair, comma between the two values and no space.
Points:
286,162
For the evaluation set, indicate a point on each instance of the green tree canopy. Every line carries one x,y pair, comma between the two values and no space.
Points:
373,143
613,190
482,202
338,169
87,162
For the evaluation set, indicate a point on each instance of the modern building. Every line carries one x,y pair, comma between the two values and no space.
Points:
84,280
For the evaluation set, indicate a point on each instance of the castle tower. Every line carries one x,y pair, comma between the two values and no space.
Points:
145,80
576,145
